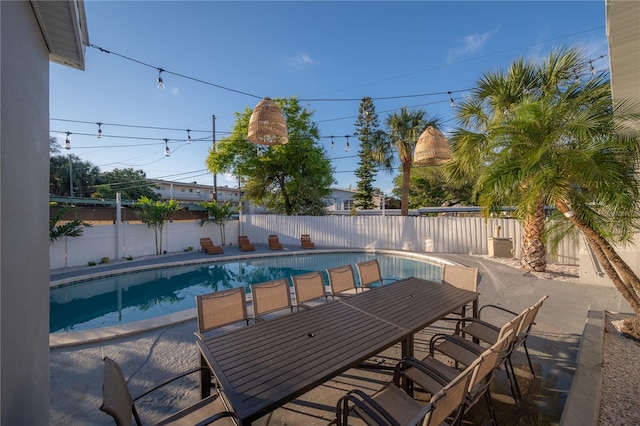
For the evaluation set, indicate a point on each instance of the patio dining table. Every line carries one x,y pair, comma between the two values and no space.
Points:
266,365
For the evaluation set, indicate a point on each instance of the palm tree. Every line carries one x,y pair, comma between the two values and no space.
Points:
155,214
72,228
403,130
478,143
218,214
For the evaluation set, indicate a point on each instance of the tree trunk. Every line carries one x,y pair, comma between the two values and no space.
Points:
534,252
609,259
288,209
406,182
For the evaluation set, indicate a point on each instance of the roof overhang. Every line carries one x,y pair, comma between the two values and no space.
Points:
64,27
623,32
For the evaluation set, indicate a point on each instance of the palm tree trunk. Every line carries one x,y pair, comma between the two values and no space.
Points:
534,252
406,182
609,259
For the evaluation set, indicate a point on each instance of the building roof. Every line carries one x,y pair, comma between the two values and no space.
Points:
64,28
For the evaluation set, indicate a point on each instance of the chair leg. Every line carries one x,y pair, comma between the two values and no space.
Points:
515,384
492,411
513,390
526,351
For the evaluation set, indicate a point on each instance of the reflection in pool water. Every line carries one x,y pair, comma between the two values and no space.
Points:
141,295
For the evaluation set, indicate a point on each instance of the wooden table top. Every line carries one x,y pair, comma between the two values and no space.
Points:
264,366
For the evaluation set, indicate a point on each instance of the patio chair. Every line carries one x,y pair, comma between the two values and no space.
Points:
305,241
369,273
342,281
220,308
119,404
461,277
463,351
207,245
308,287
392,406
432,375
270,297
274,243
488,332
245,244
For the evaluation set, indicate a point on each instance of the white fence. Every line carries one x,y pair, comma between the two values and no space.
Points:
412,233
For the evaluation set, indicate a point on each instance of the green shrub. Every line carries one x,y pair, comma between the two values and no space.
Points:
104,260
92,263
129,257
188,249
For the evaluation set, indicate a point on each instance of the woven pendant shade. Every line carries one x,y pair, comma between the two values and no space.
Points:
432,148
267,125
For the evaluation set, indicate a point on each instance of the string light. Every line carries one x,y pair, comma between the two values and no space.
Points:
160,82
453,104
591,68
167,152
188,135
332,142
346,147
99,134
67,142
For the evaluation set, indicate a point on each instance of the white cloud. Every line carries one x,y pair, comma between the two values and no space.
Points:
302,60
175,91
470,44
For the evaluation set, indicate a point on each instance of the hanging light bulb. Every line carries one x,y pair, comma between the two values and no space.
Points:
592,69
167,152
188,136
67,142
332,144
99,134
453,104
346,147
160,82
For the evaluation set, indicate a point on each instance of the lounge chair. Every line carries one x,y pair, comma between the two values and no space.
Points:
208,246
274,243
221,308
461,277
392,406
119,404
369,273
342,281
308,287
305,241
245,244
270,297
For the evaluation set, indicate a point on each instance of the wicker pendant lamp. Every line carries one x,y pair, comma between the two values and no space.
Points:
267,125
432,148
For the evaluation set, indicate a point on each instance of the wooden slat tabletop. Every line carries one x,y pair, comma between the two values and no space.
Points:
264,366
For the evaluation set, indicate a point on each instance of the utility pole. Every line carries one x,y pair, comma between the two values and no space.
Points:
70,177
215,177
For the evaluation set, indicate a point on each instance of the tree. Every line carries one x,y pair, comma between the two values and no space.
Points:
131,184
218,214
429,187
54,146
84,176
367,127
294,178
154,213
403,130
72,228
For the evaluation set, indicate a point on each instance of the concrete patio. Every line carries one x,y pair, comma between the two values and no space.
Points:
150,357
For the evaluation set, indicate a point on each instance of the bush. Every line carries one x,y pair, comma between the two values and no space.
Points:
104,260
188,249
92,263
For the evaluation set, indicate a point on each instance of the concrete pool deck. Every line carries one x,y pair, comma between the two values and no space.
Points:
151,356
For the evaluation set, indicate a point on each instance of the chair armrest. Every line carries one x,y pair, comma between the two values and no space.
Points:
408,362
456,340
370,407
500,308
186,373
476,320
216,417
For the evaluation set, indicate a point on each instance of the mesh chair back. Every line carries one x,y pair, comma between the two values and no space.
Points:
369,272
271,296
116,398
341,279
461,276
221,308
448,400
308,287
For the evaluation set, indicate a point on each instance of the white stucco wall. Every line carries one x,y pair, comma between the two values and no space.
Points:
24,256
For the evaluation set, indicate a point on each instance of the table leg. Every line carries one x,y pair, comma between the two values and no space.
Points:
407,351
205,379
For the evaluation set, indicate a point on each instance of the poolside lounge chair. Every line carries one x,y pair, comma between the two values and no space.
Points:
245,244
392,406
208,246
369,273
274,243
462,277
221,308
270,297
305,241
342,281
308,287
119,404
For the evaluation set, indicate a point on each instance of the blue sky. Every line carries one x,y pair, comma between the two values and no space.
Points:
242,51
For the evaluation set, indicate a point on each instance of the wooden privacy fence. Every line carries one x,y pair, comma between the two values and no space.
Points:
443,234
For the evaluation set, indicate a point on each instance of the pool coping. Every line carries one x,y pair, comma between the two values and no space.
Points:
73,338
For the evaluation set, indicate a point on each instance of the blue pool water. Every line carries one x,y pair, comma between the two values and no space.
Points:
142,295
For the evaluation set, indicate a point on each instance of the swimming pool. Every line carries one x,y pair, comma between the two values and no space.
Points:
136,296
